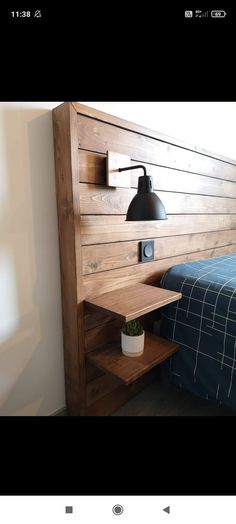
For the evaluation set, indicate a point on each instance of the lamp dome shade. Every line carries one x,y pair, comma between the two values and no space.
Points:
146,205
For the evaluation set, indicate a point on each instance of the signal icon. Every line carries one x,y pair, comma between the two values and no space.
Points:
201,14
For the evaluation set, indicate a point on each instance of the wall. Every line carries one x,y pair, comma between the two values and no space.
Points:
31,351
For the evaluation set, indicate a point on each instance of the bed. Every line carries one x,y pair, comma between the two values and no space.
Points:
203,323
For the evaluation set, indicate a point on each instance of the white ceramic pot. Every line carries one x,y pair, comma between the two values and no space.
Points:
132,346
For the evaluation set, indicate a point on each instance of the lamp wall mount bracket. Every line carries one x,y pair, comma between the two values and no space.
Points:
115,178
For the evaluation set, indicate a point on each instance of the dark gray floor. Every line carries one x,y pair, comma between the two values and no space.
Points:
161,399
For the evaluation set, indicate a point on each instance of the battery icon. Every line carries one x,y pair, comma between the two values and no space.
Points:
218,14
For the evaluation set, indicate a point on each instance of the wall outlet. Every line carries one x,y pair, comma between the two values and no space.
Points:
146,250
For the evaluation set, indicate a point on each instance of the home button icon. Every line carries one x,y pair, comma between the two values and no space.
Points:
117,509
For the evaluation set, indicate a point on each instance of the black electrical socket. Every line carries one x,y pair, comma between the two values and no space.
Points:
146,250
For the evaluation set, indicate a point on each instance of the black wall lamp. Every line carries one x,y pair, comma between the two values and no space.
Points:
145,205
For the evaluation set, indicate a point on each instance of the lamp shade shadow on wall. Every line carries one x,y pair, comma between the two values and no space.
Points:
31,350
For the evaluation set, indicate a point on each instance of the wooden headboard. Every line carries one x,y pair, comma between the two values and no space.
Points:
99,250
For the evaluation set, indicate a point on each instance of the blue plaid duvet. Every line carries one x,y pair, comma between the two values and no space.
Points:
203,323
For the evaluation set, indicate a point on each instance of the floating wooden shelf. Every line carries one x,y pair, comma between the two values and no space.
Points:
129,369
131,302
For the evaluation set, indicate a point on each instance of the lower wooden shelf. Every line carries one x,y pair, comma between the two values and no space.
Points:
128,369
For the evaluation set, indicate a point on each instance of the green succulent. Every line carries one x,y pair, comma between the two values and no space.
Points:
133,328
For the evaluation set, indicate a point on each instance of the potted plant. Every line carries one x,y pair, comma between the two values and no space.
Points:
132,339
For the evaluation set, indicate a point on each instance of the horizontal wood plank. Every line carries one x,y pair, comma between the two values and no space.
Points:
103,257
100,137
134,301
100,386
103,334
104,229
127,369
102,200
90,112
92,372
151,273
92,169
94,318
146,320
110,402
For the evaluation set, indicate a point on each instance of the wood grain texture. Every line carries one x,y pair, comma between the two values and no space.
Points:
98,283
102,257
199,192
127,369
99,229
92,167
92,372
100,386
66,163
103,334
101,200
81,109
93,171
94,135
110,402
94,318
133,301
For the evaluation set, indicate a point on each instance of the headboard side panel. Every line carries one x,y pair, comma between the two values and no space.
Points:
66,170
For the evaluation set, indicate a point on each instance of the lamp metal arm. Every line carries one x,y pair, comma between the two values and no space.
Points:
134,167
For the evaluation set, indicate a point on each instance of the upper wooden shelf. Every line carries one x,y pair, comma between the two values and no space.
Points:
131,302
